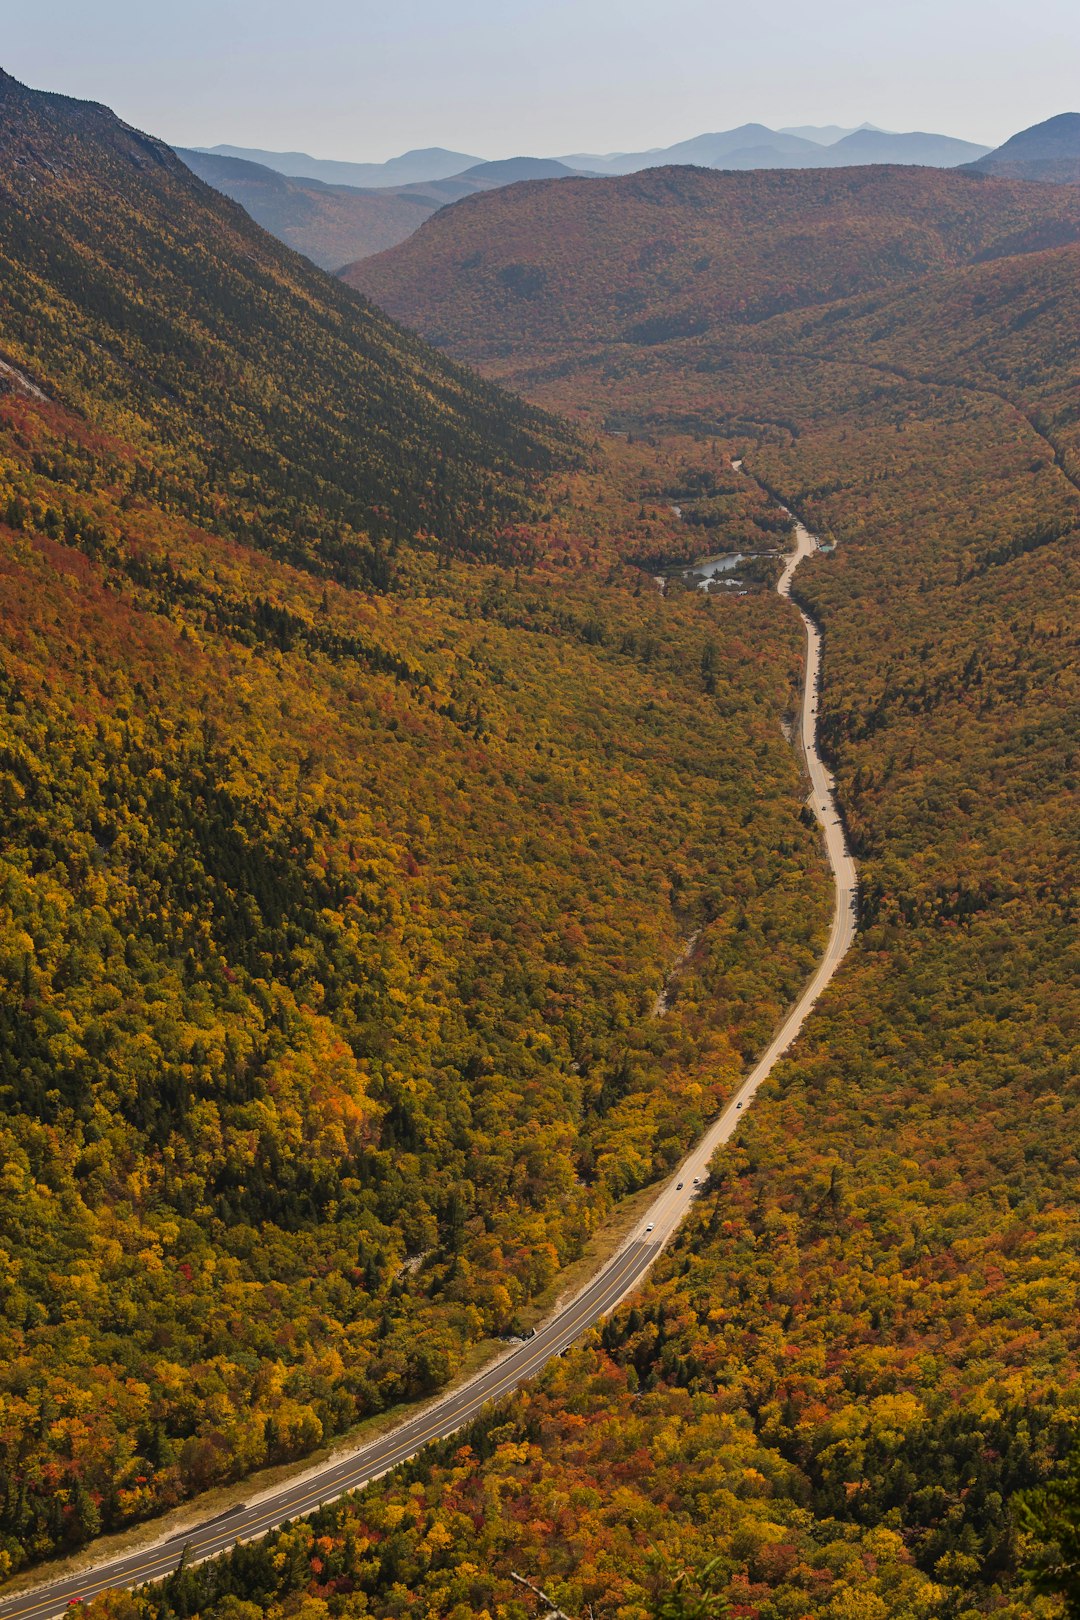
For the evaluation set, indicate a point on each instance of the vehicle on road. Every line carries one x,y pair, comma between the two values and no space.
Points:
614,1280
678,1186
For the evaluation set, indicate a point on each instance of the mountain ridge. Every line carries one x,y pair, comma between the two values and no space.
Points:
111,283
334,225
343,223
750,145
417,165
687,250
756,145
1048,153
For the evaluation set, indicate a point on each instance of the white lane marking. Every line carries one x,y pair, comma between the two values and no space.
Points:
660,1222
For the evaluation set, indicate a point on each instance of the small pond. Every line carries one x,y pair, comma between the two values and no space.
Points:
710,574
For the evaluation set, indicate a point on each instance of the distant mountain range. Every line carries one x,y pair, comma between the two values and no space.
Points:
750,146
756,146
335,225
310,204
338,213
1047,152
426,163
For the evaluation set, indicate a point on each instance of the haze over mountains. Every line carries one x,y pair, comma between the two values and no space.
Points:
338,213
336,224
755,146
425,163
394,880
750,146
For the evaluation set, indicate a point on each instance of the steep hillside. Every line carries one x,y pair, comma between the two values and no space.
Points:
675,253
304,421
341,866
1047,152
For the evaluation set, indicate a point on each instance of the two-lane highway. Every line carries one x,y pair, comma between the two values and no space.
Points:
359,1468
617,1278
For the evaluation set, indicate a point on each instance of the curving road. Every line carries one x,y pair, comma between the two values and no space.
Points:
617,1278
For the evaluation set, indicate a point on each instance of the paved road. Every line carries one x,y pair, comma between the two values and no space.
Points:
600,1296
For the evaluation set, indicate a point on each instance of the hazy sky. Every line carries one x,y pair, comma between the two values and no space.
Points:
363,80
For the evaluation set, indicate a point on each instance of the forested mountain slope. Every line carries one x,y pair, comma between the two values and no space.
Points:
340,866
674,253
154,304
866,1344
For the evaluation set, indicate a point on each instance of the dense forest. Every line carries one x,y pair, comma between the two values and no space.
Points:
359,797
628,267
360,790
269,404
850,1385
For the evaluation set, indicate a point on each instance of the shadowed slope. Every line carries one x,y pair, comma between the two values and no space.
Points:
150,301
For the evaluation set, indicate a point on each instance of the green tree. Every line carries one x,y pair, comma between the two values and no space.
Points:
1051,1517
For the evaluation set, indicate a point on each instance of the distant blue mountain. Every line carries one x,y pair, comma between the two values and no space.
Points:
756,146
426,163
1047,152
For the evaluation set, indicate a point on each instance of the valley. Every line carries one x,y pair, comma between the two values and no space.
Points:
841,1338
351,820
405,866
600,1295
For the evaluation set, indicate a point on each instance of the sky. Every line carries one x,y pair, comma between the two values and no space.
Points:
366,79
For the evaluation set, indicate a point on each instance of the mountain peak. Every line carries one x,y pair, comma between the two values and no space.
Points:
422,163
1047,152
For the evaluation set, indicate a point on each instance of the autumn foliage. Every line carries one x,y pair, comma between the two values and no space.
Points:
357,799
